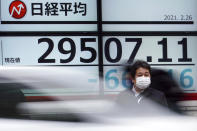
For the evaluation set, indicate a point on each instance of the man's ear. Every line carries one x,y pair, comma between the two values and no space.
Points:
132,79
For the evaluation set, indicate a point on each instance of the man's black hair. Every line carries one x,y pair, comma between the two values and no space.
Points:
131,69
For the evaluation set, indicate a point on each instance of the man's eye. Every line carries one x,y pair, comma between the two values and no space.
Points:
147,74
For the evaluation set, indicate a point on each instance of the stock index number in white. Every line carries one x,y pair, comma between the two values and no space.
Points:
155,49
68,47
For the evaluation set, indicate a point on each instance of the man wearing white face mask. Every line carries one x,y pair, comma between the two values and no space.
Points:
140,76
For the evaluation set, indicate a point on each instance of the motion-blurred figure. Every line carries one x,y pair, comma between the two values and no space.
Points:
162,81
10,96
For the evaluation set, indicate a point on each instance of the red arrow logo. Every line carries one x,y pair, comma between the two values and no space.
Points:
17,9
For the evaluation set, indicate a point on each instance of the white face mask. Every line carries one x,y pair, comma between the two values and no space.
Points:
143,82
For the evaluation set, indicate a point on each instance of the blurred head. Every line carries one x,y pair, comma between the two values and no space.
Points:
140,74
